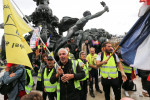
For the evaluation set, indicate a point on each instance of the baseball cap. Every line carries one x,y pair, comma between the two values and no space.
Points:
9,64
49,58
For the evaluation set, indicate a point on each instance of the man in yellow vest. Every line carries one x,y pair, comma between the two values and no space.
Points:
67,74
91,58
128,70
48,87
109,72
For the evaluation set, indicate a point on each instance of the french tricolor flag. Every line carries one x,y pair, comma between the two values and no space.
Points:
135,47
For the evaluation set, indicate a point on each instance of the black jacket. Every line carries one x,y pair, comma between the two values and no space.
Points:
73,47
67,89
143,73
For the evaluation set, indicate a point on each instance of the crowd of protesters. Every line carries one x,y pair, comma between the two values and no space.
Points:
68,78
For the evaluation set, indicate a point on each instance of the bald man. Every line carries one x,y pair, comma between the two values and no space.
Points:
91,58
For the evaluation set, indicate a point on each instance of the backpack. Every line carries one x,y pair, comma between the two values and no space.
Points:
7,88
129,86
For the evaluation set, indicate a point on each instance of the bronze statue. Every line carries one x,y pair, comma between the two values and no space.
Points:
86,17
38,2
43,16
79,25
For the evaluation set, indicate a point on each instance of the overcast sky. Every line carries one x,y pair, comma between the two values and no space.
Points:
120,18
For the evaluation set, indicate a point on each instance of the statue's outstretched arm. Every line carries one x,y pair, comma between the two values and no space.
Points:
99,13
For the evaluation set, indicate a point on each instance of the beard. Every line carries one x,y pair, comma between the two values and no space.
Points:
109,51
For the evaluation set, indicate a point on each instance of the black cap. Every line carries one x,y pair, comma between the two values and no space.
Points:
49,58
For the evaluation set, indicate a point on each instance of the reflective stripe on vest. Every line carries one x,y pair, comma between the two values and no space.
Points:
39,73
109,69
109,72
58,89
76,83
127,69
29,87
85,68
69,56
48,86
108,66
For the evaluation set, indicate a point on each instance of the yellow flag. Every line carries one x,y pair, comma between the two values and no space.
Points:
19,22
27,47
15,44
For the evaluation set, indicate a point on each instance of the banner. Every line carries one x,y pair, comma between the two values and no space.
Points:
33,39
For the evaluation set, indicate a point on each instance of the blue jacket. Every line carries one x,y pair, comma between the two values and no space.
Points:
20,73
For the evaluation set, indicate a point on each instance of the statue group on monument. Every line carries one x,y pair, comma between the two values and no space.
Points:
43,16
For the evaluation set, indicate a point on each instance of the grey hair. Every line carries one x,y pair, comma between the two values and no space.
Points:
81,53
62,49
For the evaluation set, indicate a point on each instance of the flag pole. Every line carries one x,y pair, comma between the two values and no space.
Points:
20,11
36,33
47,49
112,53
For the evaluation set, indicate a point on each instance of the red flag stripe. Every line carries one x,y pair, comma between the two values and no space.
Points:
143,0
148,78
148,1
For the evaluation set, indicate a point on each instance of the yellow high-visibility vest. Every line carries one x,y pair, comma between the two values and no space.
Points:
29,87
85,68
109,69
48,86
89,56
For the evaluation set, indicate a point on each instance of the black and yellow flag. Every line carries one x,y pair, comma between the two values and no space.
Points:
14,28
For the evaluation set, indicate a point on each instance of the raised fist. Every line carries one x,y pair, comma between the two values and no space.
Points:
106,8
